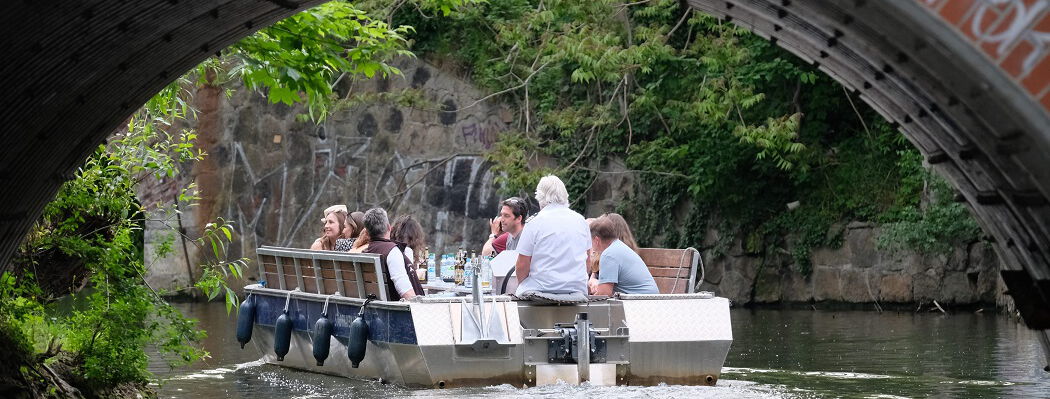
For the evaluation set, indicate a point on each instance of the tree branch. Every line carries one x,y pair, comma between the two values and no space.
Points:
857,112
390,200
616,172
523,84
685,16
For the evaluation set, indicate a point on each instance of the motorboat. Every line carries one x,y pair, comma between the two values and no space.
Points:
328,312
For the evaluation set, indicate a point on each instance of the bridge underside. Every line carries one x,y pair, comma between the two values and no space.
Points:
977,127
80,69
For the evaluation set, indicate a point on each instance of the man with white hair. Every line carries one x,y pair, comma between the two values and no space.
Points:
553,246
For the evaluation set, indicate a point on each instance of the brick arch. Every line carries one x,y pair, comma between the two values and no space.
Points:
967,81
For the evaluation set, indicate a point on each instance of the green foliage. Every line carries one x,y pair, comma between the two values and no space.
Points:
776,140
511,162
716,123
937,229
300,59
93,229
306,52
22,323
96,221
219,269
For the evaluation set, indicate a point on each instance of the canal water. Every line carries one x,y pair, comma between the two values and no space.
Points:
775,354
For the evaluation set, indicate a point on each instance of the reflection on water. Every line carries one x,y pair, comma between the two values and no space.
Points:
775,354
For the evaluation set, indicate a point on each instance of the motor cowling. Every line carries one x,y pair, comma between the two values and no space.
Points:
322,339
245,321
282,335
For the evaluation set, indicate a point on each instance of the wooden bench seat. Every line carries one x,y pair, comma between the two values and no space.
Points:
673,269
322,272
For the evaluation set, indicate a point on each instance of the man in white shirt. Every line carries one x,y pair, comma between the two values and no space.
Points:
553,246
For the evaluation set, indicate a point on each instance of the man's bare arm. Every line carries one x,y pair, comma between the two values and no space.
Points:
495,227
521,268
604,289
487,249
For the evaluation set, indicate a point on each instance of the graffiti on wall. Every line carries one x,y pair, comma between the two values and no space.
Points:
1014,34
484,134
278,192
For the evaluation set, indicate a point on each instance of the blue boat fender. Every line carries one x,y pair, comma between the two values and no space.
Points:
355,349
245,321
322,335
282,336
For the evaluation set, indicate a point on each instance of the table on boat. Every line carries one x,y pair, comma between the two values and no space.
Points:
434,287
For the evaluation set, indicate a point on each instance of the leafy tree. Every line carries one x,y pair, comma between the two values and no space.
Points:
717,124
91,237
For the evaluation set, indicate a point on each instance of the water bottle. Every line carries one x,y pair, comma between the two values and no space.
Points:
486,273
432,267
448,265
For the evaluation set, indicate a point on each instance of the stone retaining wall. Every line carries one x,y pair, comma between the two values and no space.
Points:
859,272
273,175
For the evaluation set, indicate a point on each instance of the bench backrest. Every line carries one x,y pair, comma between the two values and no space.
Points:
322,272
673,269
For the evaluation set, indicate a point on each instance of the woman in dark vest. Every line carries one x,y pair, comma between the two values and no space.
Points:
401,281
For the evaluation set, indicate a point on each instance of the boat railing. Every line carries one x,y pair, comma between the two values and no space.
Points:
673,269
352,275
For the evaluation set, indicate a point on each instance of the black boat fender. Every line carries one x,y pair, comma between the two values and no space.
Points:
245,321
323,334
355,349
282,336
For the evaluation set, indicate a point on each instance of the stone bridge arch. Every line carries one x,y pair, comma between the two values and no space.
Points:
967,81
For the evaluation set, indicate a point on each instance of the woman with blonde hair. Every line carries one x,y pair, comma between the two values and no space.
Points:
334,221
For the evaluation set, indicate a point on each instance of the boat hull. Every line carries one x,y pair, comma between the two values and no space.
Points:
673,339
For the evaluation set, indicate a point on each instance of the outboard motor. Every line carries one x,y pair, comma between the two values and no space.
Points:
245,321
322,334
282,336
355,349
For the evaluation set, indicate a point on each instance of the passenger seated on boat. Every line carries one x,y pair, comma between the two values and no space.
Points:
354,226
410,239
332,229
506,227
622,270
552,248
401,280
623,233
361,242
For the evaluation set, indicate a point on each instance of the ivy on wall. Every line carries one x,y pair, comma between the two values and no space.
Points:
723,128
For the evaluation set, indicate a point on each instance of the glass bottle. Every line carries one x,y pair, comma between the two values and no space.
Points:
460,268
486,273
421,268
469,270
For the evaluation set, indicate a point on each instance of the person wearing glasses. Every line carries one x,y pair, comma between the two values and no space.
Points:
506,227
553,247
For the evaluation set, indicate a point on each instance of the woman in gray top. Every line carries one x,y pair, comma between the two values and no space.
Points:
622,270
